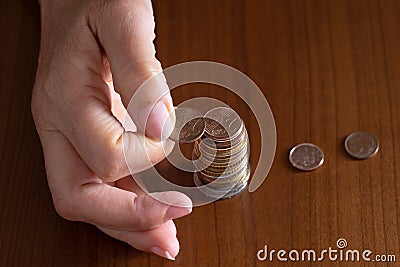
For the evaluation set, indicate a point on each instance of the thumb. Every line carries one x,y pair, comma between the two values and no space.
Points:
126,31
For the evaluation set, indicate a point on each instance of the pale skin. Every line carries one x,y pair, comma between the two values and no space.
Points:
94,54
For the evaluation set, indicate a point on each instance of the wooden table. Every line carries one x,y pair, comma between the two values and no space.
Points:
327,68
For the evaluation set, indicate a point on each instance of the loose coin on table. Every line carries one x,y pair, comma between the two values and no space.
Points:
361,145
223,153
306,157
189,125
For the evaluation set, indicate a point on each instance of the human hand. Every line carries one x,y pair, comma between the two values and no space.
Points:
87,48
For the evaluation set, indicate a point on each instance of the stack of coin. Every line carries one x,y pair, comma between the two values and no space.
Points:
222,154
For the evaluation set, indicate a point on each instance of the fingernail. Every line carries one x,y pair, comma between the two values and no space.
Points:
174,212
169,102
159,124
162,253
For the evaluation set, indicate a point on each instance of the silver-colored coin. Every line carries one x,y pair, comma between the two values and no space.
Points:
361,145
228,191
189,125
306,157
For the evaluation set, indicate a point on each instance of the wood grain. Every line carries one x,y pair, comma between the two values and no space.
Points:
327,68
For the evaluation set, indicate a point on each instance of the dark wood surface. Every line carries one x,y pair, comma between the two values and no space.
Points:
327,68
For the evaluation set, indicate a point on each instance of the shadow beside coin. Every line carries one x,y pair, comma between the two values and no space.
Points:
174,174
341,151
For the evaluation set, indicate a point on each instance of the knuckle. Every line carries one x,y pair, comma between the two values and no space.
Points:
42,101
141,222
143,219
104,154
117,9
35,107
111,166
108,171
64,208
37,101
133,8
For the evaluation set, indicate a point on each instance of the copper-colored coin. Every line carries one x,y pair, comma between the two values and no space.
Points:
220,162
306,157
223,153
189,125
227,171
361,145
227,144
192,130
